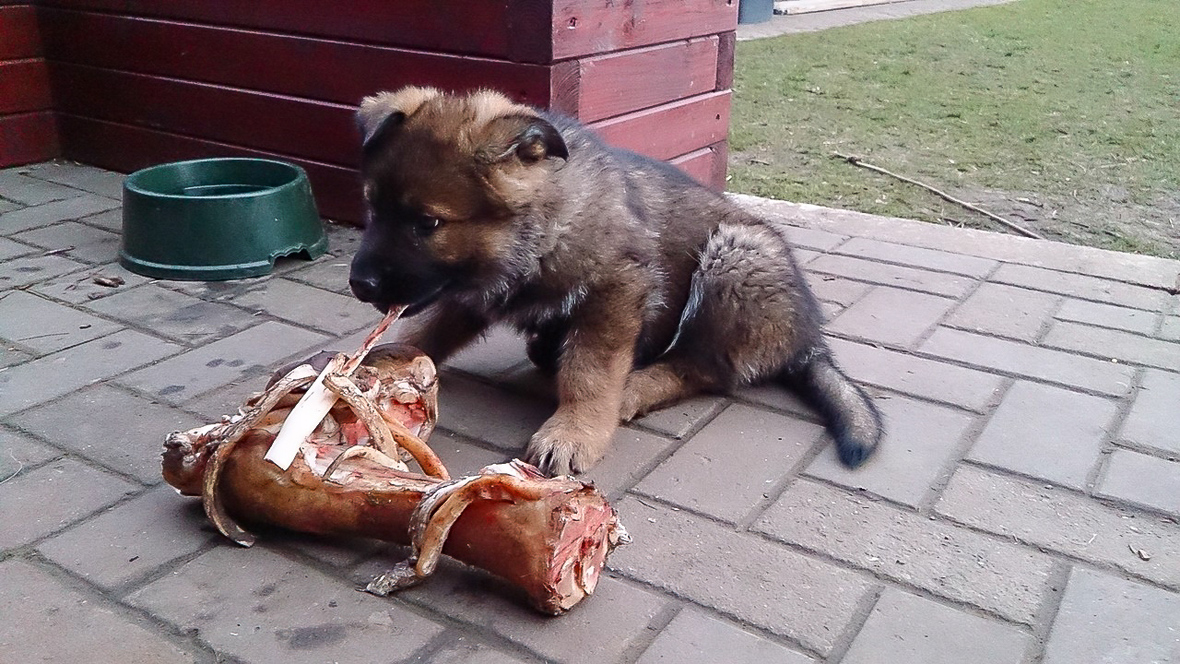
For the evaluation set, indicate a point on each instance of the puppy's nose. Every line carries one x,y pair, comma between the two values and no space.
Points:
365,288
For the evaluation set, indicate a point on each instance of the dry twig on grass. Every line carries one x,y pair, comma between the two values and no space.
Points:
857,161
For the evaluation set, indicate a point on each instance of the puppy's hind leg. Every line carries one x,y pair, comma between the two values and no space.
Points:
751,317
659,384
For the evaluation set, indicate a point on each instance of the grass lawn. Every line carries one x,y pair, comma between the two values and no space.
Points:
1061,115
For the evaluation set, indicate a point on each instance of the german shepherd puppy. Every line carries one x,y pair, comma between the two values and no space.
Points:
635,285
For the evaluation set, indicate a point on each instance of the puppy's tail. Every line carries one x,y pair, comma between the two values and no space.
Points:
850,416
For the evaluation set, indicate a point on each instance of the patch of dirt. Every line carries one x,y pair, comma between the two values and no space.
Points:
1105,218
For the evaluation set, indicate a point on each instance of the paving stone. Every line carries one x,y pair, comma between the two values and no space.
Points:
228,398
45,326
7,205
830,310
31,269
1108,315
843,292
466,651
329,273
730,465
1143,480
198,371
47,621
1104,619
530,382
11,355
921,377
11,249
343,238
19,452
1081,286
332,549
110,426
619,612
79,287
936,556
930,259
776,397
461,457
742,575
1063,521
926,281
1046,432
1114,344
217,291
906,628
679,419
1031,361
1007,311
49,213
38,502
891,315
261,607
1171,328
486,413
305,305
630,455
811,238
1154,419
920,439
174,315
111,220
499,352
67,370
694,636
80,176
132,539
31,191
804,256
78,241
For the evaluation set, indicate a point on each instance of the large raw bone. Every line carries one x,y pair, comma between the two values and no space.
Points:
550,537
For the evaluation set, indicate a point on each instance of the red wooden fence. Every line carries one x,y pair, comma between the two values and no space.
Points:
138,82
27,128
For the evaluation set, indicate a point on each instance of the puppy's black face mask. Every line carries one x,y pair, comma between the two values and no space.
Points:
441,214
395,264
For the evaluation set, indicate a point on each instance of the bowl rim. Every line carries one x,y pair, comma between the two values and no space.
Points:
130,183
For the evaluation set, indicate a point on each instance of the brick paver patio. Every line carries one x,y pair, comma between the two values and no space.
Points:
1024,507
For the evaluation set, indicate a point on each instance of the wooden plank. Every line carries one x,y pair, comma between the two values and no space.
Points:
565,87
586,28
125,148
19,37
726,45
617,83
326,69
671,130
706,165
698,164
24,86
27,137
498,28
316,130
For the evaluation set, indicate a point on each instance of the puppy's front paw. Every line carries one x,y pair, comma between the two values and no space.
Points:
559,448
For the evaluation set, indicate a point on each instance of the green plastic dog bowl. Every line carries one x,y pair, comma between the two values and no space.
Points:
217,219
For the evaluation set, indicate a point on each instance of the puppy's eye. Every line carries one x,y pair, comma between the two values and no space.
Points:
427,225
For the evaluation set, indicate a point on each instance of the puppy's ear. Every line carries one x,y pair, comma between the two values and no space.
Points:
527,137
385,111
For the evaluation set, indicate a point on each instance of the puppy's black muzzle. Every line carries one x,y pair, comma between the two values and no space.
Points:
387,283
